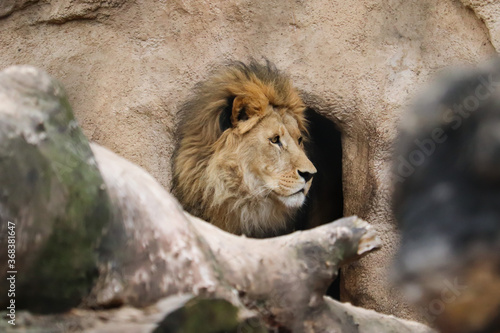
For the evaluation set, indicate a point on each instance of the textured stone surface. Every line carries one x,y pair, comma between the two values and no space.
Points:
127,65
489,12
7,7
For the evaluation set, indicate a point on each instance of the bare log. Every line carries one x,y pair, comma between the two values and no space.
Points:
142,247
282,278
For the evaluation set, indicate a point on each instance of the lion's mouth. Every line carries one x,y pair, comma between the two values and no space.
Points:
302,190
293,200
294,195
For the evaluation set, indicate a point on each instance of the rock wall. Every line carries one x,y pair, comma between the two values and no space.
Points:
128,64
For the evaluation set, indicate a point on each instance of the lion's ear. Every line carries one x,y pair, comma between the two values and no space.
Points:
239,113
246,112
234,112
239,110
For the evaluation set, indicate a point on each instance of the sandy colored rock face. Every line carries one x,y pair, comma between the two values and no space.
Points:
127,66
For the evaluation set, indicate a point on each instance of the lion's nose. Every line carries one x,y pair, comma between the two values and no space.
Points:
306,175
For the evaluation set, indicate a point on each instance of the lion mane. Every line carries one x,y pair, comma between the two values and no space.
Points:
240,162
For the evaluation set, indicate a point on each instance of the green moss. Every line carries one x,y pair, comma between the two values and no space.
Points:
208,316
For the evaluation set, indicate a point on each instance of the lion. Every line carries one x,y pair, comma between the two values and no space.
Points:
240,163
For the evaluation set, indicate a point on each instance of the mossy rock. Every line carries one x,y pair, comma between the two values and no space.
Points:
51,188
209,316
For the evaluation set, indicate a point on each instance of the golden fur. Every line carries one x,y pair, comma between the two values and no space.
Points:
240,163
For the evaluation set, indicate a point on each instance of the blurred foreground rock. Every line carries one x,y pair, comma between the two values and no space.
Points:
447,201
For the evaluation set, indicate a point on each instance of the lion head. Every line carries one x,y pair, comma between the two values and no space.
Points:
240,163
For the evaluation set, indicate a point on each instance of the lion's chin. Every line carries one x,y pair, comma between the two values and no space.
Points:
293,201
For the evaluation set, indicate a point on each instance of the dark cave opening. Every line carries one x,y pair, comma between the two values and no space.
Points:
325,201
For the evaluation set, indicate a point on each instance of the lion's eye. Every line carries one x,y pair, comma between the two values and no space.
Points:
276,140
300,140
